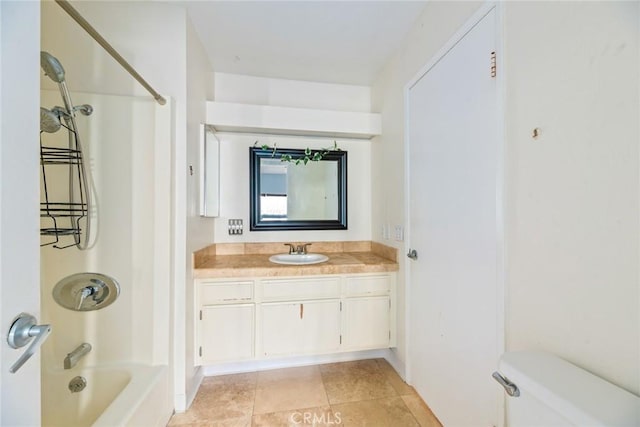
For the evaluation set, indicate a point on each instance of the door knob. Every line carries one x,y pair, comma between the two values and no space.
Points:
24,329
413,254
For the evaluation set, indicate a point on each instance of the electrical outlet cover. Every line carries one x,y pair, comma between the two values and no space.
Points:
399,233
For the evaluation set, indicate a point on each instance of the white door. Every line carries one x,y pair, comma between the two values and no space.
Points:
453,143
19,222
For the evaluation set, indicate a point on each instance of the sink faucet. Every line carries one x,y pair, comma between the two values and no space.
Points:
297,250
74,357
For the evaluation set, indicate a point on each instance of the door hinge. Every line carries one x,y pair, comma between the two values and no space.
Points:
493,64
200,351
200,314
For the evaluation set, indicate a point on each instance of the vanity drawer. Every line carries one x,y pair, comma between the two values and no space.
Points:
368,285
225,292
300,288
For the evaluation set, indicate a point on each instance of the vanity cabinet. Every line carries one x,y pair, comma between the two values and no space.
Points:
300,315
261,318
225,326
228,333
300,328
367,312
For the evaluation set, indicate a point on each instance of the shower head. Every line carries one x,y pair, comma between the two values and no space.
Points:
85,109
51,67
49,121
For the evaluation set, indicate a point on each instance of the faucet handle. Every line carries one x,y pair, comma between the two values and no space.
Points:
292,248
302,249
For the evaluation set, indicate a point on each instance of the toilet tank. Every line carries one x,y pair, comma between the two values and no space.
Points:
554,392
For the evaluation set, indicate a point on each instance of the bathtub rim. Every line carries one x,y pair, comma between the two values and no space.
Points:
142,381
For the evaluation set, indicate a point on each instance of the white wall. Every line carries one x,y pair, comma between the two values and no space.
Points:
234,154
200,230
438,22
572,194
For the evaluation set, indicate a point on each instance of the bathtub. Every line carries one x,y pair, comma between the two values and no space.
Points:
115,395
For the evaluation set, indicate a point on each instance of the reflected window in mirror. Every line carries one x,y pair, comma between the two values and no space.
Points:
289,196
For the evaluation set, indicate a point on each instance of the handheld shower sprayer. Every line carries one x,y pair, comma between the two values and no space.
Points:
49,121
52,67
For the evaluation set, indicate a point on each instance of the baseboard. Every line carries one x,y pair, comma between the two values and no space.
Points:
197,380
398,365
291,362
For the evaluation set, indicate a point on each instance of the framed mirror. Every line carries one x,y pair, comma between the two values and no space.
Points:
286,196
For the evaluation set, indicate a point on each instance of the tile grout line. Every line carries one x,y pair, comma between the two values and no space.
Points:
410,412
255,395
326,393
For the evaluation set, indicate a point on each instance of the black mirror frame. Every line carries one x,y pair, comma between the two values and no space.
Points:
255,154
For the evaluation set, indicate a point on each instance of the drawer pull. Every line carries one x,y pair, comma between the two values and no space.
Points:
301,310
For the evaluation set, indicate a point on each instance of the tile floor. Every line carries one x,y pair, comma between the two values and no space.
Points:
360,393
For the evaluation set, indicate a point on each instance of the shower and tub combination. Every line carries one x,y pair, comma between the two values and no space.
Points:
100,292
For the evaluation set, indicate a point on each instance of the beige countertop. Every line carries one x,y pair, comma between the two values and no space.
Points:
252,260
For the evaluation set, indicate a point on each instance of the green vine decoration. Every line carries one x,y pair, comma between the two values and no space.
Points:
308,156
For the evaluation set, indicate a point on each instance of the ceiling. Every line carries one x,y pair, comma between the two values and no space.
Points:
324,41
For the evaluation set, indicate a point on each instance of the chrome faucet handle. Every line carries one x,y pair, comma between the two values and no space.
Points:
292,248
82,295
95,291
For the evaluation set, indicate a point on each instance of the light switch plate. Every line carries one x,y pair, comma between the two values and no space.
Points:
235,226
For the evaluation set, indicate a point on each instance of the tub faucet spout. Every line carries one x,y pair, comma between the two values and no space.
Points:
74,357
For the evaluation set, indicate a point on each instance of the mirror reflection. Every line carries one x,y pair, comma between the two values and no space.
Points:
285,195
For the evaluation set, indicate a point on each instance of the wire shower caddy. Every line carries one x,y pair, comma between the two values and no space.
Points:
65,205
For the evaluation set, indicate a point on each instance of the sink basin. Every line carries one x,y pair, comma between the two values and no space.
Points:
298,259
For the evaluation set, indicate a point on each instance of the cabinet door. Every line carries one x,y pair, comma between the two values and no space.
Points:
366,323
300,327
226,333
